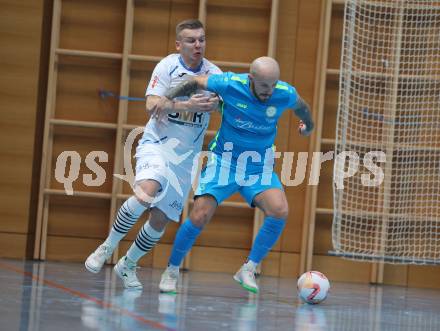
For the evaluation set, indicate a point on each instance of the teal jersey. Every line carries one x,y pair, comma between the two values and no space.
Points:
247,122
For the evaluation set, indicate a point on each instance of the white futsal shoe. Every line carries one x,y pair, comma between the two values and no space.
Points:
168,281
96,260
126,270
246,278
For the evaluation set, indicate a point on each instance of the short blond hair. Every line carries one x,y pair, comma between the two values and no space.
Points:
191,24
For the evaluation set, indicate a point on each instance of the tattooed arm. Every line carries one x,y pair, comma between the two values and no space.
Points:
302,110
161,106
188,87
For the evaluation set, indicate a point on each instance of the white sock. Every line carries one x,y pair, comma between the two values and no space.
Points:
174,268
251,264
114,238
129,262
145,241
127,216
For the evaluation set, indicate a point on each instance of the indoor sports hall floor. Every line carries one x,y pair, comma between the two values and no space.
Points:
62,296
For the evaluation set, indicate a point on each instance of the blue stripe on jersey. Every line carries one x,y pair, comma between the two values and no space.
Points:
173,70
156,141
201,132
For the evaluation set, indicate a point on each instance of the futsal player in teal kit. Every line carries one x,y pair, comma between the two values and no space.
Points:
241,160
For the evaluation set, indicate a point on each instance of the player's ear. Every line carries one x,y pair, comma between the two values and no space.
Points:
178,45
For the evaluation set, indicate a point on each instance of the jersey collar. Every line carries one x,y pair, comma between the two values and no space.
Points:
188,68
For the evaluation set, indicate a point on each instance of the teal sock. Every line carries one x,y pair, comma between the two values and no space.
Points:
266,238
185,238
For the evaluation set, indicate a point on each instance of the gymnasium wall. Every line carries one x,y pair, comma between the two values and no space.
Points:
21,89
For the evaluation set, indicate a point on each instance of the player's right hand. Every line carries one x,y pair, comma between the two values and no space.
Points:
304,129
202,103
214,98
158,111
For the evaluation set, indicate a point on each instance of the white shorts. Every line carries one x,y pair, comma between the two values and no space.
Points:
175,180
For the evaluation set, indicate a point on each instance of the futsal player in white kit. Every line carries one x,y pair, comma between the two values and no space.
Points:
165,154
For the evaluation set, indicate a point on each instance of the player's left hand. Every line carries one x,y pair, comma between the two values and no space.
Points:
305,130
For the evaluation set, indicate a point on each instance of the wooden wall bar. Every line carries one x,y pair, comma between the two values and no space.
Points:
303,77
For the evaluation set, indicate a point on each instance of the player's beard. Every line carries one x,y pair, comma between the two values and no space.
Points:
254,92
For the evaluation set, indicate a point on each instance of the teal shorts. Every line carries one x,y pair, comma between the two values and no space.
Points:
221,179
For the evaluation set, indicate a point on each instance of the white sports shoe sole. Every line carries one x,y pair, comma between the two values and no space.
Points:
245,286
89,268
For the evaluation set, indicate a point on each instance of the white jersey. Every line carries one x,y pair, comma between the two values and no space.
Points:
187,127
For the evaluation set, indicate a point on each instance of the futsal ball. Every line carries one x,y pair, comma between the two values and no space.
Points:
313,287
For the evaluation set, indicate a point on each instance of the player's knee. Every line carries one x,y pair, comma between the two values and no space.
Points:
200,216
145,192
282,213
142,200
204,208
278,210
